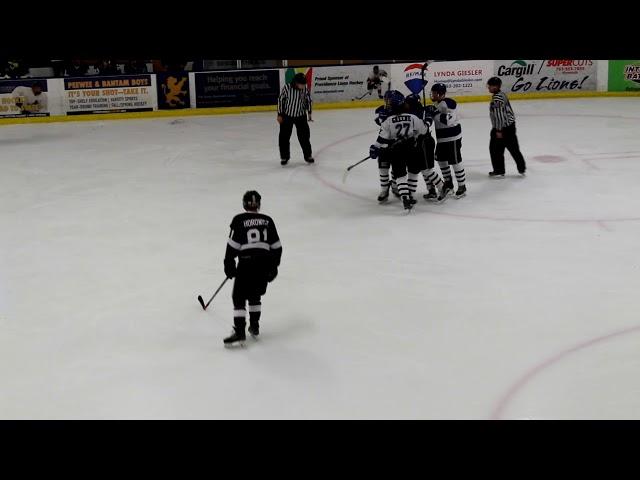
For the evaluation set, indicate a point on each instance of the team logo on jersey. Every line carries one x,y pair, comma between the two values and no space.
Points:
413,78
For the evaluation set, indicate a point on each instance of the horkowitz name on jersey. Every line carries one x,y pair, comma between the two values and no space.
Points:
255,222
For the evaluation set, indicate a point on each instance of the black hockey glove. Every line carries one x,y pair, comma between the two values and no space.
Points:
230,268
272,274
431,110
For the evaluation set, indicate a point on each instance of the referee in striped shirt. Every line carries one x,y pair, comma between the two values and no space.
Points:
503,133
293,104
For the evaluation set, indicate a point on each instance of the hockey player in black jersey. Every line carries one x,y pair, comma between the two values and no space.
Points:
425,160
255,241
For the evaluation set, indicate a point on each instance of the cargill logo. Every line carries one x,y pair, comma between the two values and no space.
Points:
632,73
517,68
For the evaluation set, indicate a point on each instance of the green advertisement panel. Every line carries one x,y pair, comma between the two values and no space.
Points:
624,75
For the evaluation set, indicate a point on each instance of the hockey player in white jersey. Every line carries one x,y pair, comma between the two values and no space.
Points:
400,138
384,165
375,80
449,137
30,99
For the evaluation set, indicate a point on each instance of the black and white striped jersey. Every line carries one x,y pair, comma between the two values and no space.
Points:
446,121
400,128
254,239
294,102
500,111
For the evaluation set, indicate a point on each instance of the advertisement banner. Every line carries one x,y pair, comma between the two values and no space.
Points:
349,83
173,90
461,78
545,76
23,98
125,93
624,75
237,88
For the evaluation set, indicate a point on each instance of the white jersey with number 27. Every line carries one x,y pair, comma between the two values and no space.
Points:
398,128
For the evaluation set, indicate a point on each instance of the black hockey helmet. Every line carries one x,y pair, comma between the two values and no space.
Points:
495,81
251,200
413,100
439,88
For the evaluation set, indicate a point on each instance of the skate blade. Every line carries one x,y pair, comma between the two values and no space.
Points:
458,197
235,345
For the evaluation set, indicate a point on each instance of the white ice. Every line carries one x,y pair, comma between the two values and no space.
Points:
509,303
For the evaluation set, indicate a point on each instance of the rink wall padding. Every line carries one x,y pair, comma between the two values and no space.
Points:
183,94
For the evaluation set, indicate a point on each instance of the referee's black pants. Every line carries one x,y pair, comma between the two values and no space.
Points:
509,141
302,129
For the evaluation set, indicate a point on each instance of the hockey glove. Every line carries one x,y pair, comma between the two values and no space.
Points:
230,268
431,110
374,152
272,275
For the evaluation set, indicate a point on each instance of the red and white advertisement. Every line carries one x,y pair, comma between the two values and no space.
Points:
462,78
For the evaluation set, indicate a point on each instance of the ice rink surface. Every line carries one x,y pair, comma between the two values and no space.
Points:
520,300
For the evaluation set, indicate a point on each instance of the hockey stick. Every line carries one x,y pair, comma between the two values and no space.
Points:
358,163
204,307
344,177
364,95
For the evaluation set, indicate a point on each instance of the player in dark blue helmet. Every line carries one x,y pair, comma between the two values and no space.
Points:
400,141
449,135
425,161
394,101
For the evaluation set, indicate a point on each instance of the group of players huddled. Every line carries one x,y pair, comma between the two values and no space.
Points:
405,148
